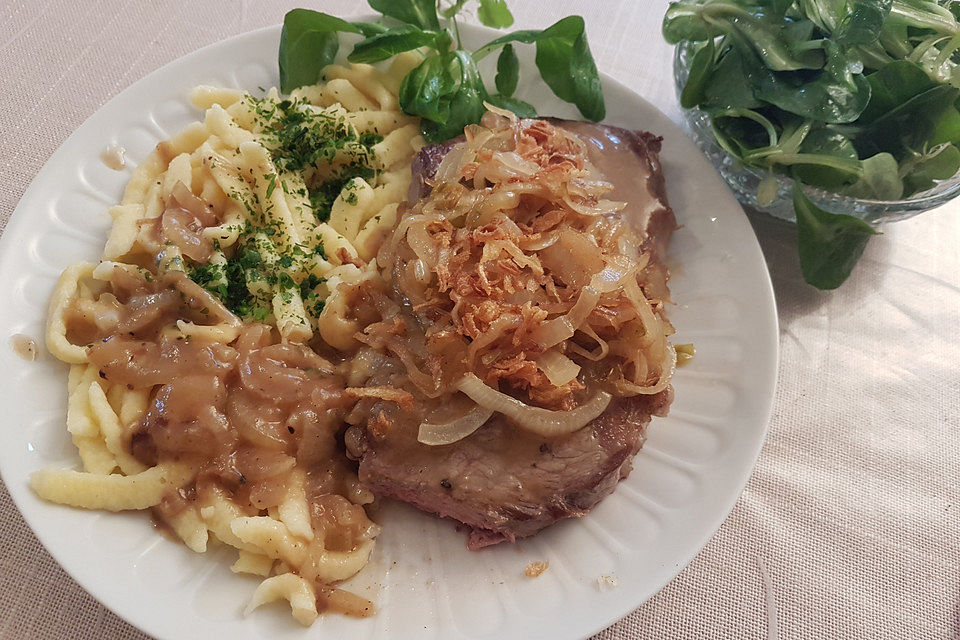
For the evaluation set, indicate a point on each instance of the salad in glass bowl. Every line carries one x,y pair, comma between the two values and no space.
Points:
840,114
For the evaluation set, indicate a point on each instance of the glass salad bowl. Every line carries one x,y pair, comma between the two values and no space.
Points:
745,181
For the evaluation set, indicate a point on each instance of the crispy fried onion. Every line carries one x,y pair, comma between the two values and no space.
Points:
521,276
401,397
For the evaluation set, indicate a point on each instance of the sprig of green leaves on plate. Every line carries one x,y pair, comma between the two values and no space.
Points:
446,90
857,97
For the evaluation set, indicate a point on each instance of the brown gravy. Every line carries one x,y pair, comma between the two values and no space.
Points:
243,416
24,346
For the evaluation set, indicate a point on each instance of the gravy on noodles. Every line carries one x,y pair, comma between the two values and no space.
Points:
244,416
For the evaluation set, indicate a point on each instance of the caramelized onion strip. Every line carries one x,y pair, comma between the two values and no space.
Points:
534,419
440,433
558,368
498,328
204,298
597,354
399,396
419,239
553,332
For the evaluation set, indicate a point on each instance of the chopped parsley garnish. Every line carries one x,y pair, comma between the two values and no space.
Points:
250,259
285,281
300,138
308,285
229,283
323,196
303,142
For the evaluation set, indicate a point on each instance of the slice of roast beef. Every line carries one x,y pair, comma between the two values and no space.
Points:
502,482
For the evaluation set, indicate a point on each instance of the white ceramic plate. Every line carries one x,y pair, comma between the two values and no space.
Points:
424,581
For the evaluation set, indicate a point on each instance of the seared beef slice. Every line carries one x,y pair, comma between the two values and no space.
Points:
502,482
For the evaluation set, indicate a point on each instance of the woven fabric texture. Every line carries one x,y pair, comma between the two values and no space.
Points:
854,507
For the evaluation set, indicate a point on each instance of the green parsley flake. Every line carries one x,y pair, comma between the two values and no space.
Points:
271,184
304,141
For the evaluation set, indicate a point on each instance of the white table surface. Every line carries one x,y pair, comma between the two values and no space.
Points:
854,507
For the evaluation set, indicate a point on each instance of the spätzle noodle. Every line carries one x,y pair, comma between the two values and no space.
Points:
226,254
293,589
112,492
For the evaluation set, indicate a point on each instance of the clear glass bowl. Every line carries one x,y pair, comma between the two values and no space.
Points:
745,180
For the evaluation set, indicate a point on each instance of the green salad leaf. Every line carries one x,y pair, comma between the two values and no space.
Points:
925,169
420,13
880,180
424,91
447,92
508,71
397,40
309,42
947,128
464,104
858,97
567,66
727,85
909,125
861,21
684,23
519,107
564,61
694,91
446,89
835,95
830,243
494,13
453,9
892,85
826,142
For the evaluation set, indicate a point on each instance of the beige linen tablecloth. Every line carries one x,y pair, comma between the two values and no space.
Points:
854,507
